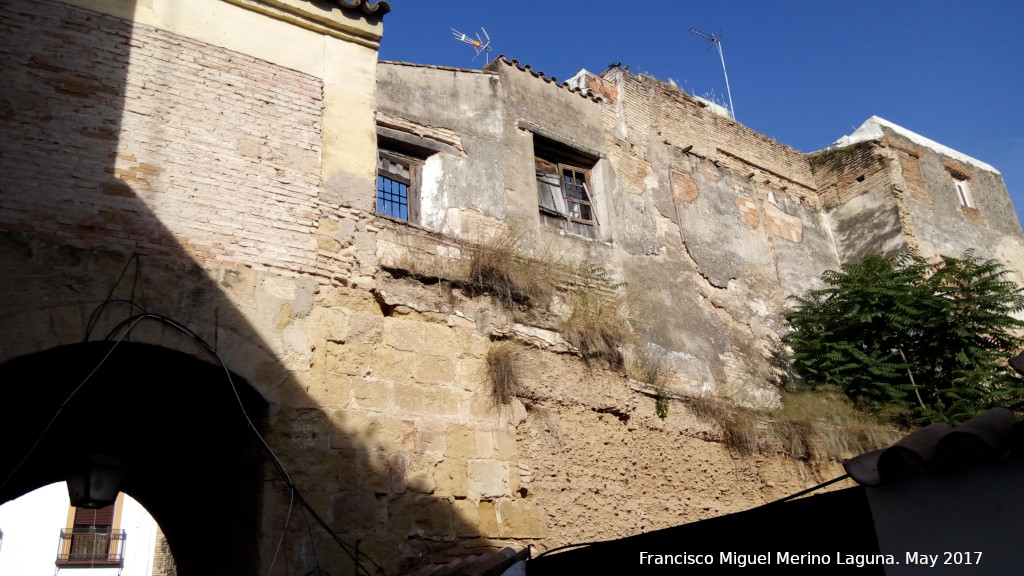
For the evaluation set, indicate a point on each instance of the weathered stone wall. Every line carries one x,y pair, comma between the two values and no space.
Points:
241,175
939,223
865,209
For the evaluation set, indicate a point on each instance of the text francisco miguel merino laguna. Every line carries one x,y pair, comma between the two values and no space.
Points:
743,560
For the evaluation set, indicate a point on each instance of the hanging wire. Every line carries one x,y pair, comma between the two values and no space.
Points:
120,333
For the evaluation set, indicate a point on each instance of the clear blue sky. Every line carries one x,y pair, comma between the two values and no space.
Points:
804,73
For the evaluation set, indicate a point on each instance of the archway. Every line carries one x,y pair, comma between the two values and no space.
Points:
174,421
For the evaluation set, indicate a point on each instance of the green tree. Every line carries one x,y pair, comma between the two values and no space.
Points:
931,339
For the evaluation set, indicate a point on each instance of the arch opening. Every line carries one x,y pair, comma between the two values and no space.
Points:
174,421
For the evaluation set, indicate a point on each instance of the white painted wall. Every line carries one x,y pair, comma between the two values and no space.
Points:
31,526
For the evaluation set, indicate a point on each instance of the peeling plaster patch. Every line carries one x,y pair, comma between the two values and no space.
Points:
432,197
688,374
782,225
283,288
748,212
683,187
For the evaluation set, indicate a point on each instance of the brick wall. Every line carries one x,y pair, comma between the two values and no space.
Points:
133,138
681,121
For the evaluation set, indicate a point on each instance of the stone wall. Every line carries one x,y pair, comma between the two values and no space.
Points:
178,166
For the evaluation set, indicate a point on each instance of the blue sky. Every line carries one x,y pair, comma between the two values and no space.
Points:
804,73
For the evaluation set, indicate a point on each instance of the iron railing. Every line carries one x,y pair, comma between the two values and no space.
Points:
91,548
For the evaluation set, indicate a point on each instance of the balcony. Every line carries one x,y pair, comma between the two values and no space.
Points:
91,549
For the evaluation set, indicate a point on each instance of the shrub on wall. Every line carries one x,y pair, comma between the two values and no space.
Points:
928,339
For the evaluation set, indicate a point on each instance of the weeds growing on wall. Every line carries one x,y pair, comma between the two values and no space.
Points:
825,424
500,266
819,424
739,425
503,372
645,364
601,315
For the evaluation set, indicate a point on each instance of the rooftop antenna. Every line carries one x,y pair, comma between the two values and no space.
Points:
716,40
480,46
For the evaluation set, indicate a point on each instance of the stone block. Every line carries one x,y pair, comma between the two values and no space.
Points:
520,518
487,479
353,359
348,472
450,478
471,375
434,369
401,515
327,390
488,515
484,444
432,438
398,470
461,441
466,518
433,517
331,323
358,511
394,365
405,335
505,444
352,299
354,429
440,339
419,475
398,435
374,468
369,395
366,328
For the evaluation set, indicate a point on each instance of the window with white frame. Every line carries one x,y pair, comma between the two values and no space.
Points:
963,190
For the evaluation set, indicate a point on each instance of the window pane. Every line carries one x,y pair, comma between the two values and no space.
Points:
392,198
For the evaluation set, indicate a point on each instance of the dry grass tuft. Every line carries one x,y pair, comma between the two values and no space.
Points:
825,424
645,364
739,425
503,372
601,315
821,424
499,266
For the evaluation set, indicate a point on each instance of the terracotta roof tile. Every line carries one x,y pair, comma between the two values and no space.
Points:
549,79
379,9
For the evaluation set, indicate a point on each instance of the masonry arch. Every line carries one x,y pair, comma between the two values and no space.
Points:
190,458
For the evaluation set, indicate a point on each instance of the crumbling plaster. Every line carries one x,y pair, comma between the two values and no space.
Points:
252,213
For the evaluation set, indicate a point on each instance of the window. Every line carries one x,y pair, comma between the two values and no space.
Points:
564,188
963,191
397,186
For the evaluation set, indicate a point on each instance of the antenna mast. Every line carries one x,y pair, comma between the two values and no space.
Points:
716,40
480,46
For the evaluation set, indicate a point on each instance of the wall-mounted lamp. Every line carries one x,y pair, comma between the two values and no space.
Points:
96,481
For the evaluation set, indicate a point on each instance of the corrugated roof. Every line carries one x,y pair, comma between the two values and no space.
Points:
936,447
379,9
550,79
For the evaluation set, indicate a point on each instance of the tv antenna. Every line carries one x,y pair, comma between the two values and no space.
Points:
716,40
481,46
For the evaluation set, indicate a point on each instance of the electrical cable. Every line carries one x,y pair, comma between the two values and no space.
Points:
354,554
94,317
312,543
60,409
125,327
284,530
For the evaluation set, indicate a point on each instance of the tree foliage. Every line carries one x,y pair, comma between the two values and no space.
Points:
928,339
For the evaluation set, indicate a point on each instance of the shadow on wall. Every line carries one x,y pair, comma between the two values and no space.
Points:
84,109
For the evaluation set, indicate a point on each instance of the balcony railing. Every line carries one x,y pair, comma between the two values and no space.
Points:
91,549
